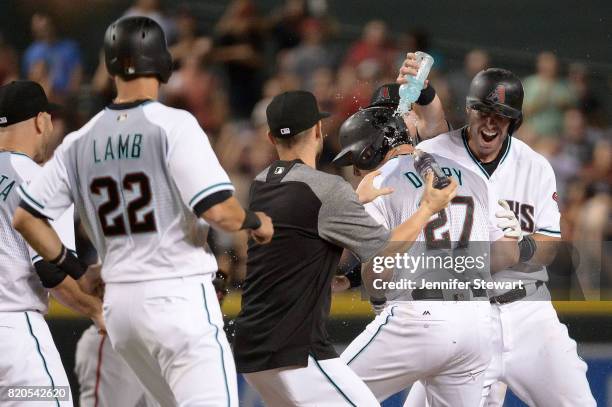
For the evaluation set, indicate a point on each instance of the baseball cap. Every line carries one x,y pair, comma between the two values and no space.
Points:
293,112
22,100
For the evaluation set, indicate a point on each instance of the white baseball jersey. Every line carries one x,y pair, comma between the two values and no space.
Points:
469,217
20,287
140,174
524,178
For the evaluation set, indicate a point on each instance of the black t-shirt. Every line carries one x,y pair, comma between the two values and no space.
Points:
287,291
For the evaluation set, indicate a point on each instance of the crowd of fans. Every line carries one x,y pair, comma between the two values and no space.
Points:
227,78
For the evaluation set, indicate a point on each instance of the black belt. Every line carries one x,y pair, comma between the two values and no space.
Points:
513,295
437,294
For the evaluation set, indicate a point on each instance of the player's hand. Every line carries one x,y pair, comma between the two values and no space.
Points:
98,321
410,66
434,200
366,190
508,221
340,283
264,233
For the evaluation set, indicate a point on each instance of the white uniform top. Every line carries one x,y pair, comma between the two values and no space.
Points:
136,173
20,287
469,218
524,178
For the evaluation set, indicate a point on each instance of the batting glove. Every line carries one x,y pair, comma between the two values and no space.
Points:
508,221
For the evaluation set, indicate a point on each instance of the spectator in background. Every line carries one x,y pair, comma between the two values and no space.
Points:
374,51
311,55
197,88
9,63
152,9
54,63
459,83
586,99
238,45
188,43
285,22
546,97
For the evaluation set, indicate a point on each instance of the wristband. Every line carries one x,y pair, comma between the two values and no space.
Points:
251,221
527,248
69,264
50,274
427,96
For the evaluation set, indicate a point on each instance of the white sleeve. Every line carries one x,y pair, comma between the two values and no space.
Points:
193,163
49,192
377,211
64,227
495,233
547,216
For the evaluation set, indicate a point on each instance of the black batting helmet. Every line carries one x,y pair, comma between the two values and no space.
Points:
367,136
499,91
136,46
386,95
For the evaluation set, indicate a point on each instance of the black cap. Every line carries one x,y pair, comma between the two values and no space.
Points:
22,100
293,112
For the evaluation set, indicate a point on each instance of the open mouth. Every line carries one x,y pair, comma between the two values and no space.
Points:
488,135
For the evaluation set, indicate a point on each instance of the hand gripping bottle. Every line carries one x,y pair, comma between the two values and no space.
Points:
410,92
424,163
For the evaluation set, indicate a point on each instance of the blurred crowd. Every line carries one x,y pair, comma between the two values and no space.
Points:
227,76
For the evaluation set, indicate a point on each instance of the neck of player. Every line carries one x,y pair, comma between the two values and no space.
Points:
19,138
141,88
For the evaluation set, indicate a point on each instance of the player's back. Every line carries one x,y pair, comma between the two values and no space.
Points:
124,169
467,218
20,287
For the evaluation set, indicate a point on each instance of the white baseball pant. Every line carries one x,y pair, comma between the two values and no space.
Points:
170,332
29,358
445,344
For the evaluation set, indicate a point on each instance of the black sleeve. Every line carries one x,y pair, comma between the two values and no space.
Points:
210,201
32,211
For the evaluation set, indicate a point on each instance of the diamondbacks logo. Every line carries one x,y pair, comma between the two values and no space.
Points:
385,92
555,197
498,95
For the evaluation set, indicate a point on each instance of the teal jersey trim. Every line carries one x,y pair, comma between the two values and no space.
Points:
333,383
374,336
34,201
41,355
196,196
218,343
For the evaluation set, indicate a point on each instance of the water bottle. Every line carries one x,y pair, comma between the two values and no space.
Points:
424,163
410,92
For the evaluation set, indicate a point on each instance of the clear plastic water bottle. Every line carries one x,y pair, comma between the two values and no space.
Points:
424,163
410,92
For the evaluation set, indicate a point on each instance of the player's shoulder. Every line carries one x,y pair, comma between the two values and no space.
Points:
24,166
393,168
168,117
444,141
525,155
85,129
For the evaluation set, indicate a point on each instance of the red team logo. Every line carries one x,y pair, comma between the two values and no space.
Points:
498,95
555,197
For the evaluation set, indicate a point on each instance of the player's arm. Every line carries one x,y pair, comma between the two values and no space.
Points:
540,248
204,185
429,111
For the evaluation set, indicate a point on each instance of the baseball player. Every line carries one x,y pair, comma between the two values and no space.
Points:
29,356
281,343
393,350
532,351
148,185
105,380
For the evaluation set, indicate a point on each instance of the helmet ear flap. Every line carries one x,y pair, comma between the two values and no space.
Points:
372,154
516,123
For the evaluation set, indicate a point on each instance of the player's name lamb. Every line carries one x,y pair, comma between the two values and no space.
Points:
452,284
